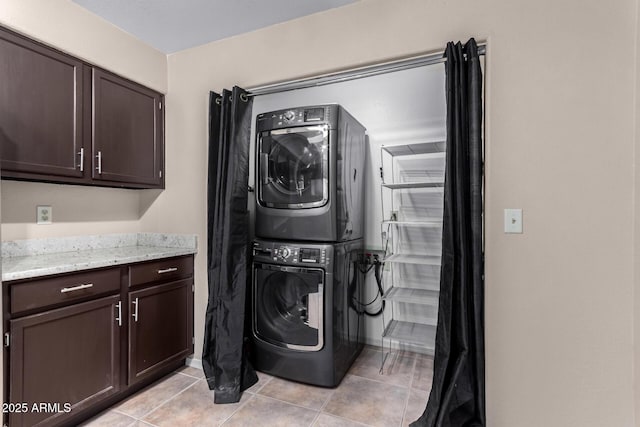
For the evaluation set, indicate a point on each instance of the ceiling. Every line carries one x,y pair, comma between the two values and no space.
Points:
171,26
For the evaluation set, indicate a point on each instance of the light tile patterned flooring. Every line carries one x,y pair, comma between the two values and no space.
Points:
363,398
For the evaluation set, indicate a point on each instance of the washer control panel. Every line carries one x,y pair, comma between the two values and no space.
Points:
285,253
313,255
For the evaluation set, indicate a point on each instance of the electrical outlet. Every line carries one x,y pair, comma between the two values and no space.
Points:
44,215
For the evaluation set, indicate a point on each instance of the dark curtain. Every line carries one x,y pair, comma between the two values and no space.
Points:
457,396
224,357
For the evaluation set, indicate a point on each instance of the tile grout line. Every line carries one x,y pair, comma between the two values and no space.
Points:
242,405
378,381
263,385
413,360
141,418
406,400
355,421
252,395
324,405
347,419
313,421
319,412
192,376
419,390
288,403
149,387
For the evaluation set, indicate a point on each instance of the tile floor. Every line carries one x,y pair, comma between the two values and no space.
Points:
364,398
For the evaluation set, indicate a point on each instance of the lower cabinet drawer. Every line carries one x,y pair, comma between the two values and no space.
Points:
68,288
161,270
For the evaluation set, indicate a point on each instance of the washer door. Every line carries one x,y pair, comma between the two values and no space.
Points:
293,167
288,304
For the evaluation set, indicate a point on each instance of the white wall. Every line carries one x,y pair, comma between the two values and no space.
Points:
636,227
559,144
78,210
560,120
73,29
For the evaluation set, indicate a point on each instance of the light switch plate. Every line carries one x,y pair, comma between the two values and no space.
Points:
44,215
513,220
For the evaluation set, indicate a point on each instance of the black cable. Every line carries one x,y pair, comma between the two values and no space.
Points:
362,309
370,302
377,264
366,270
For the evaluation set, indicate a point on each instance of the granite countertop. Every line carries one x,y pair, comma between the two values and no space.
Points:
25,259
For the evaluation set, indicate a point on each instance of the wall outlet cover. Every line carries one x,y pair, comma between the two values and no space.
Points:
44,215
513,221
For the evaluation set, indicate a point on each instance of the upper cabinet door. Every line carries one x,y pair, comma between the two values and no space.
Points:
40,109
127,132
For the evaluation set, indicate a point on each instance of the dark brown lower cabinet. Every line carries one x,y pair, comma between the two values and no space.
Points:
63,361
77,343
159,328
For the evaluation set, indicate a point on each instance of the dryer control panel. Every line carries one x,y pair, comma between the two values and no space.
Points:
297,116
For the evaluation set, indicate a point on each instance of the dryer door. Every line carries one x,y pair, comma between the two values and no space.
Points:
288,305
293,167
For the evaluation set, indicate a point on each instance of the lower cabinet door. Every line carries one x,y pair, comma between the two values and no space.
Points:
62,361
160,327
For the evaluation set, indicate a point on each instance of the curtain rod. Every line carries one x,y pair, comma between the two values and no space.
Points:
358,73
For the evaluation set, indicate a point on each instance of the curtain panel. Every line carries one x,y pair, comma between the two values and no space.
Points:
225,350
457,397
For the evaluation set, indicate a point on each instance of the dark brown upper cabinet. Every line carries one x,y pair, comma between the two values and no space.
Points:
65,121
41,101
127,131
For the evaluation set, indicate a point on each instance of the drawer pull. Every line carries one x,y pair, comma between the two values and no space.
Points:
76,288
168,270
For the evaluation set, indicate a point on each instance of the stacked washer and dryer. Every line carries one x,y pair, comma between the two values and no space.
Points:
309,236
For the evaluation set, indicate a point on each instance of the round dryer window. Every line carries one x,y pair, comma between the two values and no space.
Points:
294,167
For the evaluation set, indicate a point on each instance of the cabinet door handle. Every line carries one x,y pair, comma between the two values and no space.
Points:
81,154
99,158
168,270
119,316
76,288
135,310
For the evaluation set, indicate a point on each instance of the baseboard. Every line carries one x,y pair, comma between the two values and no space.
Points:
194,363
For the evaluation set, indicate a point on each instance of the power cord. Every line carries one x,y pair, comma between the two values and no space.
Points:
356,304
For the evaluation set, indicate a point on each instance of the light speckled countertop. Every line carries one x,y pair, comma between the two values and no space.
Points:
24,259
